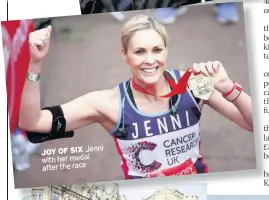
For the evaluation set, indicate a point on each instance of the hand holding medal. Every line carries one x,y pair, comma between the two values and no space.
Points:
207,77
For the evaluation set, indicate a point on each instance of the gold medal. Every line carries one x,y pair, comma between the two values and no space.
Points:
201,86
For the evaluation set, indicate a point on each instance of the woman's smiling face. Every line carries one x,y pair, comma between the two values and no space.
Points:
146,54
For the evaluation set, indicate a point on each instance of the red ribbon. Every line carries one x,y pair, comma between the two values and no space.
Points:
178,88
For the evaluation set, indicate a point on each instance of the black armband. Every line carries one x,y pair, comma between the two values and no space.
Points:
57,127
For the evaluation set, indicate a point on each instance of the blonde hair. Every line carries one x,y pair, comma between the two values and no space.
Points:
138,23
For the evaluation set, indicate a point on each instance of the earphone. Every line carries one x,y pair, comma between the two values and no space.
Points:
172,108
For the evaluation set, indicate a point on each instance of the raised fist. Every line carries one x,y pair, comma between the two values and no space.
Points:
39,43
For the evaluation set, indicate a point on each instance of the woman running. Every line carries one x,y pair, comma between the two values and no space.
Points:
153,117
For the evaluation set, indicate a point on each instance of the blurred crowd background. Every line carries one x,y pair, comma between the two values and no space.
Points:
167,10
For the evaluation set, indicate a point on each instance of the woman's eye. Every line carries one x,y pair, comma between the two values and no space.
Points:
158,50
139,52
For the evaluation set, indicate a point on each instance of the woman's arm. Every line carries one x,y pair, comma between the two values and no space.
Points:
79,112
238,111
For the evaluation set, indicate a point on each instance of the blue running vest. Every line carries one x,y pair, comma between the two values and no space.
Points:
160,141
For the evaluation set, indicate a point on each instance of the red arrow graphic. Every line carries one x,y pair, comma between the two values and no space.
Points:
178,88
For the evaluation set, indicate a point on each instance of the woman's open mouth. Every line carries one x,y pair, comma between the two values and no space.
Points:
150,70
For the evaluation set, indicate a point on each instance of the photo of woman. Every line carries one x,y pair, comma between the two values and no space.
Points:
154,135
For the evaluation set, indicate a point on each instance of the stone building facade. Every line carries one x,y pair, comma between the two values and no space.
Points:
101,192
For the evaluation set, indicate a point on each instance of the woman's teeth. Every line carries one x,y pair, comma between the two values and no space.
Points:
151,70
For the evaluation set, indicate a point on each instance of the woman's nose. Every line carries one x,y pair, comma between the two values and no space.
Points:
150,59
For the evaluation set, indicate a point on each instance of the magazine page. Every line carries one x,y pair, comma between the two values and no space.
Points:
157,94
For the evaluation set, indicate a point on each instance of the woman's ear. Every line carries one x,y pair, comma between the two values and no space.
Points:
124,55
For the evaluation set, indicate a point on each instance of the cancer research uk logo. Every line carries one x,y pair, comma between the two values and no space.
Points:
7,47
136,149
12,50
